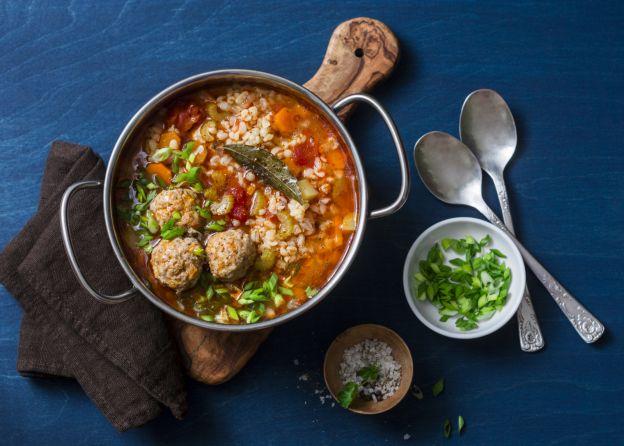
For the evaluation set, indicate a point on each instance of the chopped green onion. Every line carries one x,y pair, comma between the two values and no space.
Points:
161,155
438,387
469,289
286,291
204,212
169,231
191,176
217,226
447,428
232,313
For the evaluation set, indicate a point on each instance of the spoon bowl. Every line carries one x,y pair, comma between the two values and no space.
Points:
456,182
488,128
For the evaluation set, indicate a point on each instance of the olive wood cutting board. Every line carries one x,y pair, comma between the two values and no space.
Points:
361,52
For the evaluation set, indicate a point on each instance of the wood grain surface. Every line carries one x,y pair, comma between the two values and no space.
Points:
361,52
78,71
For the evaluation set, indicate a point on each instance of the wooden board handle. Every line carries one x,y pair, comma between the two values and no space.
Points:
361,52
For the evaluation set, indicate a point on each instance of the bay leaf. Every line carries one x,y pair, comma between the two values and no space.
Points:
267,167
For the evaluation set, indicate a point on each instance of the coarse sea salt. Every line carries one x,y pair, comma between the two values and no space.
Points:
371,352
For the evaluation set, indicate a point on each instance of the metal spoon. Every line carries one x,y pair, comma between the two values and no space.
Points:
452,173
487,127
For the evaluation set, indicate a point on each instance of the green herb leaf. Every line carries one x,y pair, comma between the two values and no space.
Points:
268,167
348,394
460,424
447,428
369,374
438,387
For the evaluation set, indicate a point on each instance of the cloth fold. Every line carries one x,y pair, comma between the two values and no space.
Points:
122,355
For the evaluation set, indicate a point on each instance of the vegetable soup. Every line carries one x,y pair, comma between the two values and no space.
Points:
237,204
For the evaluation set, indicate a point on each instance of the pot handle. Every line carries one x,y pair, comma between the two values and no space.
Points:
69,247
396,138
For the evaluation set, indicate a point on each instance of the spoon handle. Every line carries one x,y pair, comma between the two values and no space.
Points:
586,325
531,339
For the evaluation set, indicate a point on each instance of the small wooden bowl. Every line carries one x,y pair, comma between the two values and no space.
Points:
355,335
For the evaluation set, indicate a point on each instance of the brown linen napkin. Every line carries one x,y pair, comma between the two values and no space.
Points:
122,354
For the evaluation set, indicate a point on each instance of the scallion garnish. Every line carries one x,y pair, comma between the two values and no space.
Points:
161,155
438,387
169,231
447,428
471,289
217,226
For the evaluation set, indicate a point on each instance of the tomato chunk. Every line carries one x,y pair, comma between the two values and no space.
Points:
240,213
239,194
184,116
241,203
305,153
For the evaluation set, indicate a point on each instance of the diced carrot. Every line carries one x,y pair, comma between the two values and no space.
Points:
166,140
336,159
302,111
160,170
200,154
284,120
294,168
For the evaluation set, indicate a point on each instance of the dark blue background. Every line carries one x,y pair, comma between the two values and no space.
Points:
78,71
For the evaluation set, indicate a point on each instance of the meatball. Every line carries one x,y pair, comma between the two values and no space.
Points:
230,254
183,201
176,264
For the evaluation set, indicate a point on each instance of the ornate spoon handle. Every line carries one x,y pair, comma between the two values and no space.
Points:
586,325
531,339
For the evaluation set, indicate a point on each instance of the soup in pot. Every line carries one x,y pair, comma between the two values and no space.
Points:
237,204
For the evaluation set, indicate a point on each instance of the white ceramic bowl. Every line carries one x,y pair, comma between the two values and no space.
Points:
460,228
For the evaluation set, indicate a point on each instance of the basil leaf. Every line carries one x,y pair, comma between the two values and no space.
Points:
348,394
460,424
267,167
369,374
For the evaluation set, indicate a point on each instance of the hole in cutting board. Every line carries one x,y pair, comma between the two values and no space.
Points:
359,52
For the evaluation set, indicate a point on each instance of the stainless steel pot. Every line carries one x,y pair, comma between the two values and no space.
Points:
205,80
